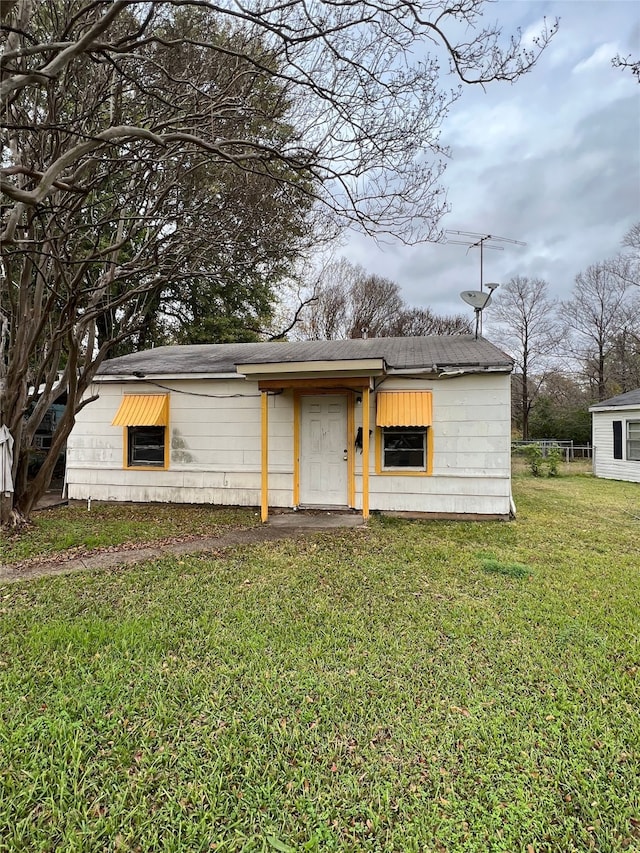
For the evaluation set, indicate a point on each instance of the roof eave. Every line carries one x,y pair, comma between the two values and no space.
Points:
620,408
138,376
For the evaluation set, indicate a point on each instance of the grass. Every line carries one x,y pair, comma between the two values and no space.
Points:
378,689
513,570
74,527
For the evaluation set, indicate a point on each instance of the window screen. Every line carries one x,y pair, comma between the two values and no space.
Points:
146,446
404,447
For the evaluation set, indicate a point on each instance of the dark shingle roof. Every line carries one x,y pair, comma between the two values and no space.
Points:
631,398
455,351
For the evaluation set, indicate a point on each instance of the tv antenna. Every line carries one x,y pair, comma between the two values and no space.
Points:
473,240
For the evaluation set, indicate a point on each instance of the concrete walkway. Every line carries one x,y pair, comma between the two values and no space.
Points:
283,525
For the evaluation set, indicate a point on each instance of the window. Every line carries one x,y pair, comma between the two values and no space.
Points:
633,441
145,446
404,420
404,447
145,419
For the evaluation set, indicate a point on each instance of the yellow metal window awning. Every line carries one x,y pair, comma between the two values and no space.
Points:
142,410
403,409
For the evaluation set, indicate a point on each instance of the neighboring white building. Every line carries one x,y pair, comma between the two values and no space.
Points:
419,425
616,437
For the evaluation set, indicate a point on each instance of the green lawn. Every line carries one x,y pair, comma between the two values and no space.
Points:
406,687
78,529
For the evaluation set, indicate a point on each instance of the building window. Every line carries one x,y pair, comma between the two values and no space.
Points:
404,422
633,441
145,422
145,446
404,447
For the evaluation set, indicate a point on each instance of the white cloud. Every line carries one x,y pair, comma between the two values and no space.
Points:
600,57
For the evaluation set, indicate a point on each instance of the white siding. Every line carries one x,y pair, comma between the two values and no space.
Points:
471,437
604,465
214,428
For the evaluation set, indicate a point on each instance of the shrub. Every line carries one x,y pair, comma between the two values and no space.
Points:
538,462
533,455
554,456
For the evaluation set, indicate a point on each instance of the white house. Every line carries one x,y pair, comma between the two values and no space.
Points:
416,425
616,437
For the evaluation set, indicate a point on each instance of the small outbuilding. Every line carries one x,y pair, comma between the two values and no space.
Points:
403,425
616,437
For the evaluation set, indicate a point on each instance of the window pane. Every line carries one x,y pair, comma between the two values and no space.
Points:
404,459
404,448
146,446
633,450
633,441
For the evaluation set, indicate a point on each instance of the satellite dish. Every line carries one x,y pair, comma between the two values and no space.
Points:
476,298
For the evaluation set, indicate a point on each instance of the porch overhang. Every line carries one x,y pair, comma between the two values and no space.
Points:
355,379
347,373
316,383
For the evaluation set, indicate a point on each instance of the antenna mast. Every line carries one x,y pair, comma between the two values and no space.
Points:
473,240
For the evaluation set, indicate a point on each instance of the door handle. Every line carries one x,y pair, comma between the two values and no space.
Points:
345,454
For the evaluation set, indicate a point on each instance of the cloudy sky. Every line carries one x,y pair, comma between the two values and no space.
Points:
553,161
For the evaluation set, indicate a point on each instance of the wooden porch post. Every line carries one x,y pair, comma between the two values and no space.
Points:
264,497
365,453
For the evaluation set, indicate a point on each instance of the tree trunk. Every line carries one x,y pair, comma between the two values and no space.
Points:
525,408
602,390
6,505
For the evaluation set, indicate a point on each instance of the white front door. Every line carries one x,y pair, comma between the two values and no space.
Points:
323,450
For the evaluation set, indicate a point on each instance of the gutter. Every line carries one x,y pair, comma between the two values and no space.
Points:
139,376
447,372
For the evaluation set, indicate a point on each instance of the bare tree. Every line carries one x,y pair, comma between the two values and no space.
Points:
628,265
374,301
631,239
349,302
627,62
423,321
623,363
526,326
116,116
597,314
326,316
